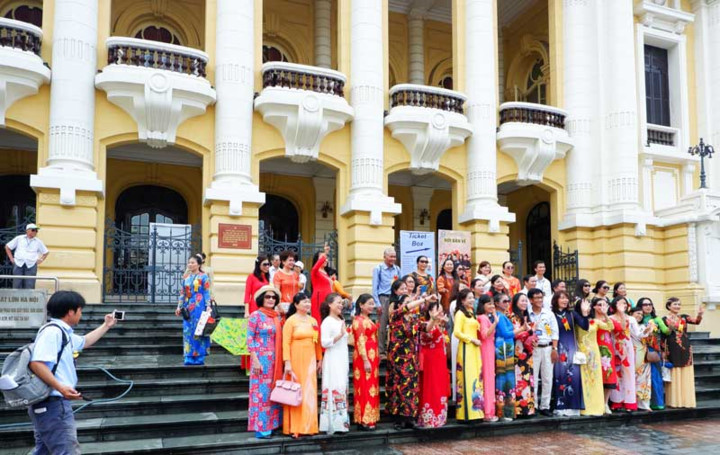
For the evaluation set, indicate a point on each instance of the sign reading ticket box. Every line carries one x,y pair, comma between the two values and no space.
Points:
22,308
414,244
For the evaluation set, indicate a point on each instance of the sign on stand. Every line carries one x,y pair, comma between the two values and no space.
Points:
22,308
454,245
414,244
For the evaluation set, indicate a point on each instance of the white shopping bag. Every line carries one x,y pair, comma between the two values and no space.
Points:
202,321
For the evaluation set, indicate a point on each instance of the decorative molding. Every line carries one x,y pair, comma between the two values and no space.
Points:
71,142
158,100
662,17
533,147
21,75
303,117
426,132
623,189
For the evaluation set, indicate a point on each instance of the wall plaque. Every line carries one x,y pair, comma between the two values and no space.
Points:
235,236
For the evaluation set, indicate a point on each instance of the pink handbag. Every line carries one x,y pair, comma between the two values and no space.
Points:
286,392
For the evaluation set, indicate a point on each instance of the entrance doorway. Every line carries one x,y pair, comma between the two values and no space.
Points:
538,232
279,218
147,246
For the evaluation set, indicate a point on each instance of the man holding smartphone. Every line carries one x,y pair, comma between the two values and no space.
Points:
52,418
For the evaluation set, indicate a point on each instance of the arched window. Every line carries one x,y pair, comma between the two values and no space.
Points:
160,34
446,82
280,217
273,54
26,13
139,206
536,85
444,220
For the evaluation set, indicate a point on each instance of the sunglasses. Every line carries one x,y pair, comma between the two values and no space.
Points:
586,285
647,304
273,297
606,287
510,267
33,230
265,264
424,262
504,301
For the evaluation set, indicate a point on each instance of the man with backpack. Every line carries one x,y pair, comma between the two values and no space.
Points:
53,362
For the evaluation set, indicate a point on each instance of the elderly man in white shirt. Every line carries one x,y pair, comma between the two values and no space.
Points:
545,353
26,252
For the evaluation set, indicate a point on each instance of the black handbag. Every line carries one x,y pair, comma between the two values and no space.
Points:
214,320
185,313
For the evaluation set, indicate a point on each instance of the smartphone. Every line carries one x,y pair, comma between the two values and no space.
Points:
423,289
118,315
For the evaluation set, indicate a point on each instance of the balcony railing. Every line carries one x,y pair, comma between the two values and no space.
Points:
536,114
426,96
20,35
303,77
661,135
153,54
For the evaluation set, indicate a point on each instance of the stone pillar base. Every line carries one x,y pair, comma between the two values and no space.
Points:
488,244
362,249
74,235
231,266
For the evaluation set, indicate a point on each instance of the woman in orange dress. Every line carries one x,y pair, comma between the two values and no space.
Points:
286,280
366,365
445,281
302,355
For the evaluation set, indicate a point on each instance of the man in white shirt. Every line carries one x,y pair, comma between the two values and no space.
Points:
545,353
26,252
543,283
52,361
529,282
275,266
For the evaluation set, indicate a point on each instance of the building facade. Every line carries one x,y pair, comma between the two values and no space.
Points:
524,122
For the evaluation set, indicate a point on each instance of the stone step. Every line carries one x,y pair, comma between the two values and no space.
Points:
239,441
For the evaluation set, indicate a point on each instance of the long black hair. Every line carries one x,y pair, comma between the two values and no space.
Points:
394,297
555,302
520,314
325,306
258,271
299,297
579,293
616,287
462,295
361,301
640,303
441,272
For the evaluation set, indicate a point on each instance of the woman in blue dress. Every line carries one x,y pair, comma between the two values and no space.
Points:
195,296
504,359
567,380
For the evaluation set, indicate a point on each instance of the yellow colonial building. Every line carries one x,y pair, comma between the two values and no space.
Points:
136,131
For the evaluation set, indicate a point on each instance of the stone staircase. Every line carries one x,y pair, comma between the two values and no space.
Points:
183,410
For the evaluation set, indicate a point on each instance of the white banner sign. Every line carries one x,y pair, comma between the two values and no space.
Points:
22,308
414,244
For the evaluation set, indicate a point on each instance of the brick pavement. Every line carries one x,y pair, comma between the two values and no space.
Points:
691,437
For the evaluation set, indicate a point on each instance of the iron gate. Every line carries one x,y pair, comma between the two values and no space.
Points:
565,266
146,266
7,234
267,244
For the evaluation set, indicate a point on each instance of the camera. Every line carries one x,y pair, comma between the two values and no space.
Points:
118,315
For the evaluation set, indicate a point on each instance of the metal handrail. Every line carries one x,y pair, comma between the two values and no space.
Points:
39,277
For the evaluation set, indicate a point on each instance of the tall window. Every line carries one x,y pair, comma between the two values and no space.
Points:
657,91
536,85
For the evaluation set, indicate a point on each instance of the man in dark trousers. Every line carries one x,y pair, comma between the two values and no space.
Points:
52,418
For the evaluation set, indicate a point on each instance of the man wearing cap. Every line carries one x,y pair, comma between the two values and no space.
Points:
26,252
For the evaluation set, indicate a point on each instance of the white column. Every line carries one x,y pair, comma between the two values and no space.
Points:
323,11
416,47
421,201
580,38
481,110
620,118
324,192
70,163
501,67
367,77
234,83
707,61
688,179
